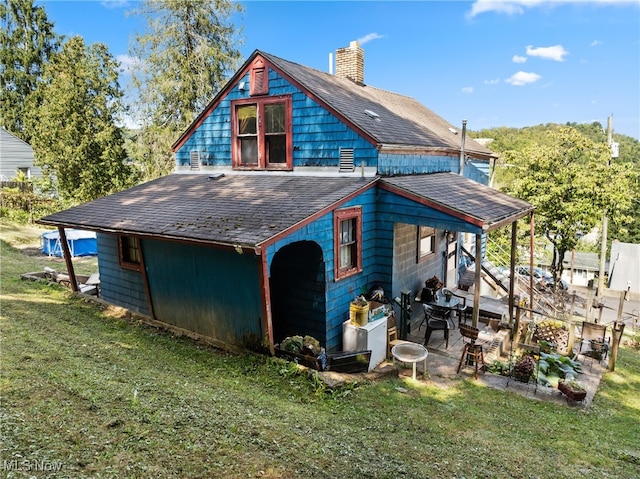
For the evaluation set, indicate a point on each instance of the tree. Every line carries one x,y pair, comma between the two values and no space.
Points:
184,57
570,182
72,120
27,42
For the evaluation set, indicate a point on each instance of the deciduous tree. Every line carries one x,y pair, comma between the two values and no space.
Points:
571,182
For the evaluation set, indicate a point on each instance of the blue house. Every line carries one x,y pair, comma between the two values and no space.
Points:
294,191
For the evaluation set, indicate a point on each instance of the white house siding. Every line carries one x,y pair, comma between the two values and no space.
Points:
15,155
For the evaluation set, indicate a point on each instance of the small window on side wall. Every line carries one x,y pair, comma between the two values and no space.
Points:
426,242
129,252
348,242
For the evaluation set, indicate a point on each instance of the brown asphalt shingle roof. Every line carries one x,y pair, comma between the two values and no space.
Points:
402,120
480,204
244,210
249,210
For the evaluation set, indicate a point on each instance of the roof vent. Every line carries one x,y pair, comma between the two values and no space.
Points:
346,160
372,114
194,160
215,176
453,130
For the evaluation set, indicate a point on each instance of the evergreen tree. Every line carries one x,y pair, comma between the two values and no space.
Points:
72,119
27,42
184,57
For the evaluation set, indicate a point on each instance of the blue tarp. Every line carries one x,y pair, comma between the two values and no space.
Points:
81,243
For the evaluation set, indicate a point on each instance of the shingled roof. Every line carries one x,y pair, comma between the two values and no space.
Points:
480,205
245,210
386,118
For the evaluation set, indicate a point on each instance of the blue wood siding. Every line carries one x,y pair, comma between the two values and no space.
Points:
209,291
317,134
396,164
118,286
339,294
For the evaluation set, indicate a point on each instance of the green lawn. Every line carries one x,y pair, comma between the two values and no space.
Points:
88,392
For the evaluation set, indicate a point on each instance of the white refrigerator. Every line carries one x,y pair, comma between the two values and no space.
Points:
372,336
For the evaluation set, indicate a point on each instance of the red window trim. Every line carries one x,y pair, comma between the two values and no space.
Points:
127,264
338,217
259,78
262,162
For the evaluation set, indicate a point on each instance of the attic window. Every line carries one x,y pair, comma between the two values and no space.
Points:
372,114
346,160
194,160
259,82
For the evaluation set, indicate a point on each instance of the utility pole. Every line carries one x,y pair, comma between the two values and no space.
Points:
613,147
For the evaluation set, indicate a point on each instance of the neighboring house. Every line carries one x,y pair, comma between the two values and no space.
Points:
16,156
295,191
624,267
579,268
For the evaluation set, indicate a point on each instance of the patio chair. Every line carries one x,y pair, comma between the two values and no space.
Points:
594,341
472,352
461,310
435,322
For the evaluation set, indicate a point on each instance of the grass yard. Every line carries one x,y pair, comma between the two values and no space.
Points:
89,392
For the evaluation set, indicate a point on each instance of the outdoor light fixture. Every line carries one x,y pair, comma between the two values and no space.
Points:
449,235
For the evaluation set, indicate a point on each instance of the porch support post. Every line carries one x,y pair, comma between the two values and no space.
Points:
67,259
476,282
531,246
512,267
267,320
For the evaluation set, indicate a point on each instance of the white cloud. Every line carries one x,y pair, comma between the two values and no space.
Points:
519,59
518,7
506,7
556,52
595,43
467,90
114,3
495,81
369,37
127,63
523,78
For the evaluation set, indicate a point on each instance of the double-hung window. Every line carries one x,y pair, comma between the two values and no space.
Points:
348,242
262,133
426,242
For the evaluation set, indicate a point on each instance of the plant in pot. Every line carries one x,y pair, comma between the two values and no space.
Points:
573,389
431,287
523,368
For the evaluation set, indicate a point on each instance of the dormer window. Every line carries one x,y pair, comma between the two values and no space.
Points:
262,133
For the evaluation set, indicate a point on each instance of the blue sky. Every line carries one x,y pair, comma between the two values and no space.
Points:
502,63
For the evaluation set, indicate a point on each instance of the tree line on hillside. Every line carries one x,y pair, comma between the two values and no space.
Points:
64,97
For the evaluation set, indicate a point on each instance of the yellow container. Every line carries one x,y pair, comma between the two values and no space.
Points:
358,315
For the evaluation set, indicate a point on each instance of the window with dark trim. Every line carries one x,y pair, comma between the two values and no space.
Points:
262,133
129,252
348,242
426,242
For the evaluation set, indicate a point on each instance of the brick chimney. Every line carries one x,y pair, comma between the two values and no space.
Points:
350,63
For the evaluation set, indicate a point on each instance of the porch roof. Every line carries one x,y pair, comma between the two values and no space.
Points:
477,206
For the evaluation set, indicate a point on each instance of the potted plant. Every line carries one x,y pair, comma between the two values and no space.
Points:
572,389
524,368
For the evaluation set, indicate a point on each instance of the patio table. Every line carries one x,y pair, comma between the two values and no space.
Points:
411,353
